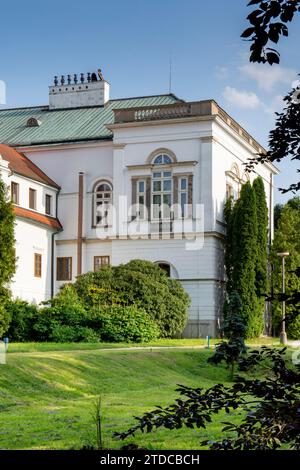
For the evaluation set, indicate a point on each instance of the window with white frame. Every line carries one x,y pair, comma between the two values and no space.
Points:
161,194
141,198
162,186
183,196
162,159
102,203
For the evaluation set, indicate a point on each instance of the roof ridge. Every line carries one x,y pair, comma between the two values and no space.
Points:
44,106
147,96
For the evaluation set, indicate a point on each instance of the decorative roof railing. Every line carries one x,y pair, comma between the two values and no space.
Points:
183,110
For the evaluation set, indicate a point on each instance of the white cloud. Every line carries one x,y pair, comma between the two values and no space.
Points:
221,72
268,77
241,98
276,105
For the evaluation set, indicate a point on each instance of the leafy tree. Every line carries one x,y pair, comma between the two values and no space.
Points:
140,283
277,213
22,318
287,238
270,408
232,349
7,253
267,23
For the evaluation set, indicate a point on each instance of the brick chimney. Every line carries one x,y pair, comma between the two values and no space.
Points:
78,90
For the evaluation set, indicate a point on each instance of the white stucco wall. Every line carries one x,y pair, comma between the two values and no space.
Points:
30,239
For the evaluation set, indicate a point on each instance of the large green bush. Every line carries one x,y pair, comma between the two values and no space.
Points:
65,310
22,317
140,283
116,323
73,334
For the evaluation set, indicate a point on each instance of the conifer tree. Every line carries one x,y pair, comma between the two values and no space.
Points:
261,275
7,252
244,233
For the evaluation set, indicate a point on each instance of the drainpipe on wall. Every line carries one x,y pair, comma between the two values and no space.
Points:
52,250
80,219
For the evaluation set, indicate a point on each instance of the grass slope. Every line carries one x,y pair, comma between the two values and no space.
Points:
47,397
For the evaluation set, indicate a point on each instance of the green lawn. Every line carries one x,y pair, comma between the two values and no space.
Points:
47,393
162,343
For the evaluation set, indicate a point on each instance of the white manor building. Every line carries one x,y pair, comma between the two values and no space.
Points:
166,167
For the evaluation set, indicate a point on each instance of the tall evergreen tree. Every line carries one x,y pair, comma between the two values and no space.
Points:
244,234
287,238
7,252
261,275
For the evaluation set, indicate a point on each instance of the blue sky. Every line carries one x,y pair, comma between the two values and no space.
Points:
132,40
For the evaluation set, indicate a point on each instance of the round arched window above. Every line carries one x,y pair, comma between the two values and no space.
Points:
102,202
162,159
166,268
103,187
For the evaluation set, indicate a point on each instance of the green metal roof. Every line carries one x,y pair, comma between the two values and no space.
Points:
67,125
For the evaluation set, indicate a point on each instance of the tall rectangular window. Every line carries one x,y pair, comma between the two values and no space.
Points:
14,188
100,261
64,269
37,265
183,196
161,195
32,198
141,198
48,204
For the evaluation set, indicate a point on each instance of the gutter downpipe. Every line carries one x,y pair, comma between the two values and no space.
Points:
80,220
52,248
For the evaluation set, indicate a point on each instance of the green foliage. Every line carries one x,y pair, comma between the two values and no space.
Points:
269,408
241,258
73,334
142,284
287,238
22,317
231,350
117,323
261,279
7,252
63,318
267,23
5,316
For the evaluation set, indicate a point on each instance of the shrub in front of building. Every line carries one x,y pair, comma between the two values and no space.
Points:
142,284
129,324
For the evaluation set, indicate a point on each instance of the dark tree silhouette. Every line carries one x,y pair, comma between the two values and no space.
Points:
268,22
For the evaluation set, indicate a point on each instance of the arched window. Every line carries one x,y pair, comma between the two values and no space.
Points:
165,267
102,202
162,159
162,187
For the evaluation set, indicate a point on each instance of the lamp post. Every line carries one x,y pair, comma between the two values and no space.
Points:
283,335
